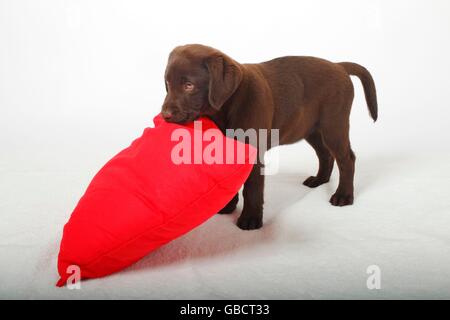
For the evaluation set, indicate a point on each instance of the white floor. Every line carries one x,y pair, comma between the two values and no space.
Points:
307,248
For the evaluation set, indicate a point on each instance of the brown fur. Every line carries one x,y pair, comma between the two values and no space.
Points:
304,97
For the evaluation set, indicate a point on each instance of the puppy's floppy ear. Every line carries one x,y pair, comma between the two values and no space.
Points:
225,75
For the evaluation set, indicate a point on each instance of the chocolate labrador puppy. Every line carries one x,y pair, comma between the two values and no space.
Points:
304,97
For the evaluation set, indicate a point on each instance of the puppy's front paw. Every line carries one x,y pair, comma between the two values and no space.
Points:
249,222
229,209
231,206
341,200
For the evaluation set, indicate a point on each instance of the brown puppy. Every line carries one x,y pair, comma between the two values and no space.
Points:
304,97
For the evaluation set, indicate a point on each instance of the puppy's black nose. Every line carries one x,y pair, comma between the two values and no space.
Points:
166,115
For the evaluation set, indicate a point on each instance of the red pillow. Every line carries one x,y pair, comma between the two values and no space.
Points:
143,197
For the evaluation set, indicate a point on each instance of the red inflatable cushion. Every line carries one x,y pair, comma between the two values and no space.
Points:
142,199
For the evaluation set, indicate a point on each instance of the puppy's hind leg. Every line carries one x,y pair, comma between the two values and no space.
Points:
326,161
336,138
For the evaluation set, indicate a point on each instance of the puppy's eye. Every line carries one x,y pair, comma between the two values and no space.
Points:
188,86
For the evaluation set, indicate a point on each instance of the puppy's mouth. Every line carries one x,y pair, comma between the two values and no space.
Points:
179,119
183,116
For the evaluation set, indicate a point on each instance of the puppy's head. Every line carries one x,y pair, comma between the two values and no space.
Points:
199,80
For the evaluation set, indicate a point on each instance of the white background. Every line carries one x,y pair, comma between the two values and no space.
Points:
79,80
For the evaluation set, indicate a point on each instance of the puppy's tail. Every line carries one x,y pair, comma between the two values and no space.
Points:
368,84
